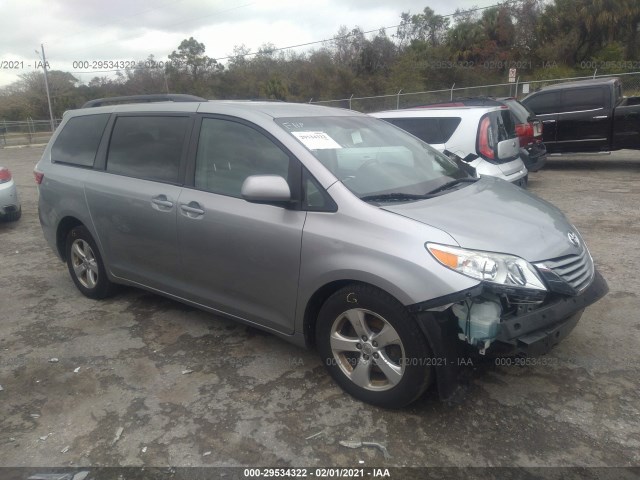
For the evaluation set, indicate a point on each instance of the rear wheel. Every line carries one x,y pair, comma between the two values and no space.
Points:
372,347
85,264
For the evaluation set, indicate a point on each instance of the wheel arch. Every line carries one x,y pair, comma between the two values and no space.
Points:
317,299
314,305
64,227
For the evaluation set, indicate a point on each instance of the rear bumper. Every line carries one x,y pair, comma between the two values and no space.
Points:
534,157
512,172
9,201
539,331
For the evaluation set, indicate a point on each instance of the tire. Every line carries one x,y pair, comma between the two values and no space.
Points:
524,182
391,373
86,266
12,216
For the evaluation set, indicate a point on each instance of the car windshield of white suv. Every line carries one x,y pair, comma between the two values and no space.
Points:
375,160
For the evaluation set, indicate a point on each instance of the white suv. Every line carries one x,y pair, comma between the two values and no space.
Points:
471,133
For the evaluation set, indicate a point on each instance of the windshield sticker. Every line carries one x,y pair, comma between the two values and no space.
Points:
316,140
356,137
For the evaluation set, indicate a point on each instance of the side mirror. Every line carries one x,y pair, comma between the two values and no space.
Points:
508,148
265,189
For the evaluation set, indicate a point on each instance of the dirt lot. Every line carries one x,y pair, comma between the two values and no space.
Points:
253,399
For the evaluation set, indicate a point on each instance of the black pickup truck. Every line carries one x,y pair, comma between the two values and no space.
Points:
587,116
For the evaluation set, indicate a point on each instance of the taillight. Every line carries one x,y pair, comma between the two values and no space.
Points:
537,129
485,139
38,176
5,175
525,133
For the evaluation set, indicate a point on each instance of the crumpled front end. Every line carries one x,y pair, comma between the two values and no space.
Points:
524,320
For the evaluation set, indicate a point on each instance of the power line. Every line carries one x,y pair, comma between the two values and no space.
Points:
316,42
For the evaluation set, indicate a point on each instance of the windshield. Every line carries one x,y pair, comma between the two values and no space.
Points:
373,158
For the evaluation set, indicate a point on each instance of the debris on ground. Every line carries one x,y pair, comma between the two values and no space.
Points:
206,454
1,388
118,435
65,449
45,437
53,360
144,449
60,476
34,415
76,370
186,372
352,444
314,435
52,476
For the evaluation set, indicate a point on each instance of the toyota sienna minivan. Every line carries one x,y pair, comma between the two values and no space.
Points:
324,226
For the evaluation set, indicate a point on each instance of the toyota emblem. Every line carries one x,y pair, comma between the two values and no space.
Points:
573,239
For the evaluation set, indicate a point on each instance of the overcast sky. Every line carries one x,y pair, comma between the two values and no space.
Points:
93,30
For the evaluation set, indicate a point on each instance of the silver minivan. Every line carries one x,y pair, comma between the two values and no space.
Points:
327,227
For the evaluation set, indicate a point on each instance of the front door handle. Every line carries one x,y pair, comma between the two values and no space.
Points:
192,209
548,121
600,117
161,202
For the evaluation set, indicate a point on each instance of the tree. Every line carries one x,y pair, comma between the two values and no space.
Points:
347,46
190,70
425,26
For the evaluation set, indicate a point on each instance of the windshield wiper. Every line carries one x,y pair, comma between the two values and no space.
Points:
390,197
451,184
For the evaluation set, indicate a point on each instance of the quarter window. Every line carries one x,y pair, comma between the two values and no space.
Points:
430,130
229,152
148,147
78,141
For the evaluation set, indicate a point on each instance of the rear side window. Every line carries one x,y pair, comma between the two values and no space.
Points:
78,141
148,147
430,130
544,103
579,99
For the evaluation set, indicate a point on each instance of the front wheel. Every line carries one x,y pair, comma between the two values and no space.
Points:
372,347
85,264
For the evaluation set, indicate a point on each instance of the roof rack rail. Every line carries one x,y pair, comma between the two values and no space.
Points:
168,97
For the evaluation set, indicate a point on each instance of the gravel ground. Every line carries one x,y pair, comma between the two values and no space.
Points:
120,394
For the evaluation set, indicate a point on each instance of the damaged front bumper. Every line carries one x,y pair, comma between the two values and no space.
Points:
531,334
535,333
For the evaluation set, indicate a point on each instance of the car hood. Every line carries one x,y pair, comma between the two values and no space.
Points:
495,216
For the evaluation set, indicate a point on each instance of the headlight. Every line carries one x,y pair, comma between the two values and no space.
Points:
496,268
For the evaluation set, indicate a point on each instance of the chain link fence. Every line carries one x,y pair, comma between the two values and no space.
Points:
27,132
30,132
519,89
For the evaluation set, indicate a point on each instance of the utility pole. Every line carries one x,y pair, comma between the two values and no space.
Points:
46,86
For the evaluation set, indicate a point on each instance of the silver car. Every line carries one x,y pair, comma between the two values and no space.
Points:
326,227
10,207
472,134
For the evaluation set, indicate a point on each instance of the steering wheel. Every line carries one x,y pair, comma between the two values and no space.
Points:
367,164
